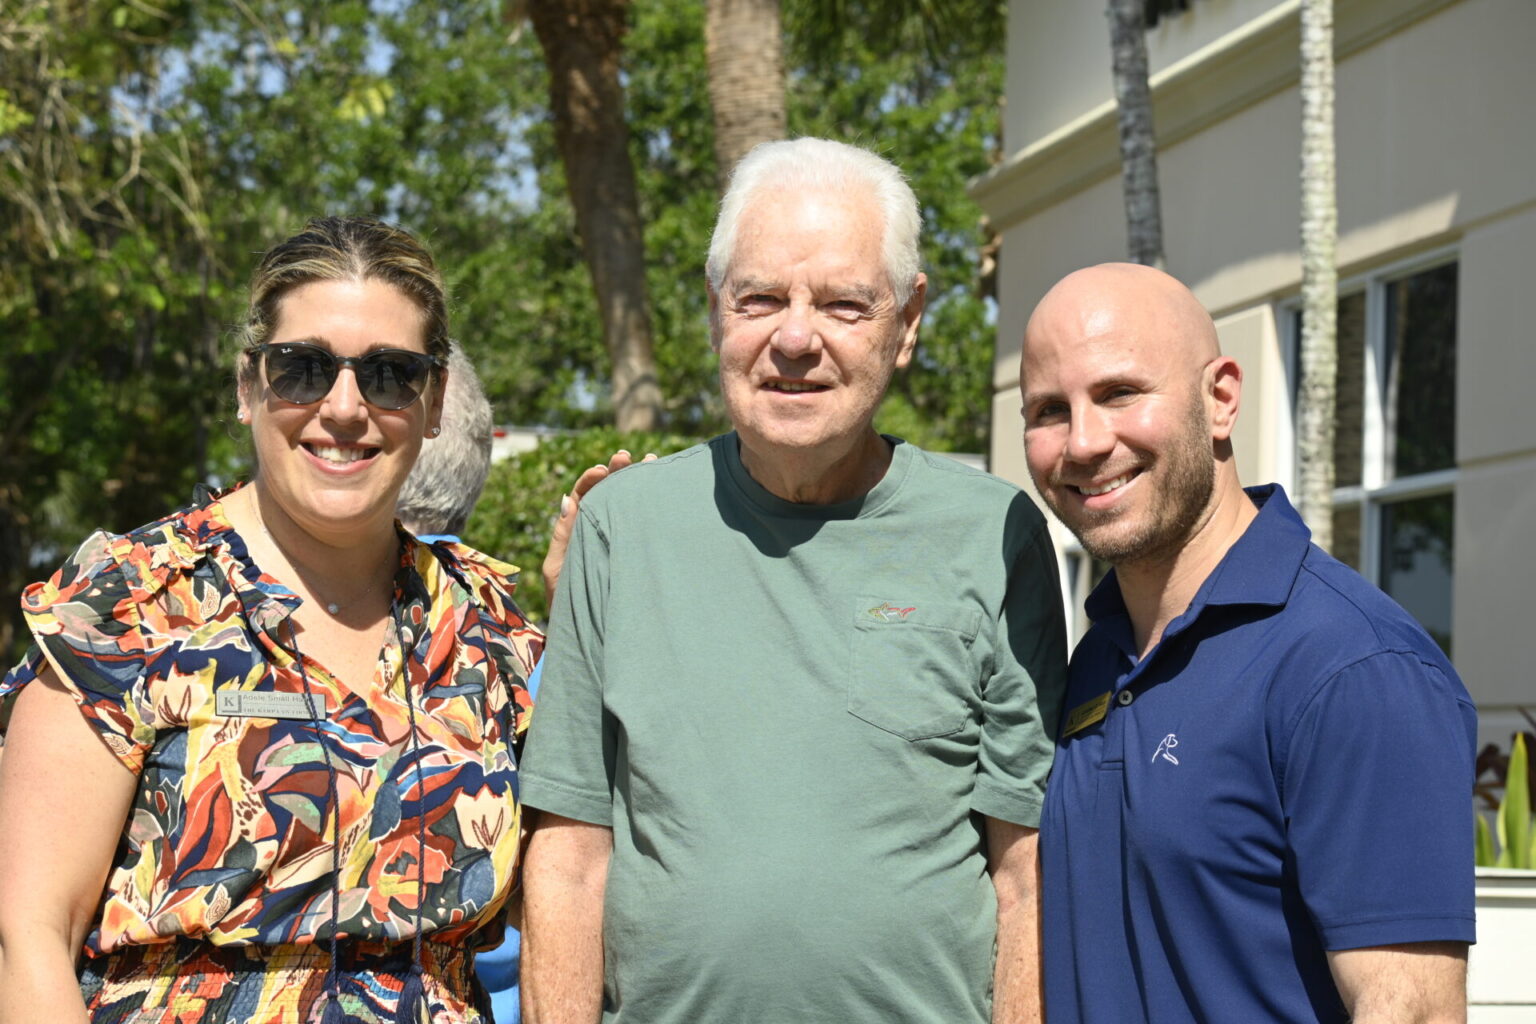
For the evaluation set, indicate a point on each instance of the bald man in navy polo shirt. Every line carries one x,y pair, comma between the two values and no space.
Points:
1259,809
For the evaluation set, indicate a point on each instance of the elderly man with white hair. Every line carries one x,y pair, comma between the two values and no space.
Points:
801,684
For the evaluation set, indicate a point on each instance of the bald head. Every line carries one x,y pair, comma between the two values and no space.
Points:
1162,313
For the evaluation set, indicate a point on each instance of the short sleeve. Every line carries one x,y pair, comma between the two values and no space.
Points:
86,624
1022,700
1376,785
515,644
569,760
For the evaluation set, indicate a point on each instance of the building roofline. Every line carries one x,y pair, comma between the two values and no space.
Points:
1236,71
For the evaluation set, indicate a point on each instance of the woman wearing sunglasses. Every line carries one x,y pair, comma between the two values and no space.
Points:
260,764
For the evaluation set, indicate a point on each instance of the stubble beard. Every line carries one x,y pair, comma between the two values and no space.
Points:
1177,508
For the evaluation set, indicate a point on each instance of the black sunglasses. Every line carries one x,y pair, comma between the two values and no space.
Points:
387,378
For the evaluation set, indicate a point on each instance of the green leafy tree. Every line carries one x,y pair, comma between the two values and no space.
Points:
417,113
669,113
146,155
583,45
930,102
107,293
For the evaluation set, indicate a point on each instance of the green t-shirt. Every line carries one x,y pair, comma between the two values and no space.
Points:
793,717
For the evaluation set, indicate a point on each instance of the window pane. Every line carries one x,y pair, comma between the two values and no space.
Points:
1349,391
1421,377
1416,561
1346,535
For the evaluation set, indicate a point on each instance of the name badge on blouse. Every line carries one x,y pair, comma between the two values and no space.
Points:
258,704
1085,714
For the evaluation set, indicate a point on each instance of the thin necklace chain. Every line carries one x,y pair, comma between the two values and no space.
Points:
332,607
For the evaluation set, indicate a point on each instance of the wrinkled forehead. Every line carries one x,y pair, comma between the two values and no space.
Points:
832,229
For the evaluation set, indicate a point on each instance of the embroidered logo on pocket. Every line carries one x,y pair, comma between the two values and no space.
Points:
887,612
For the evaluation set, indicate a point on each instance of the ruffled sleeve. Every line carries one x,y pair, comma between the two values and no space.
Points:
87,624
514,644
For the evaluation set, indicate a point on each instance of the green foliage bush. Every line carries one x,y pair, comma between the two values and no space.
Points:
522,496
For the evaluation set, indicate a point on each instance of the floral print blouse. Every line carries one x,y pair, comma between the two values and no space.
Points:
173,643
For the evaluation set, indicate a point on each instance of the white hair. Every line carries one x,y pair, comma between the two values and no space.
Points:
450,472
827,166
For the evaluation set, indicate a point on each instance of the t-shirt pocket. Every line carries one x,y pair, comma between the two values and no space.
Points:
911,667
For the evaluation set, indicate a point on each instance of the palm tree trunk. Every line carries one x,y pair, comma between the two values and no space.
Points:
1316,397
744,44
1138,142
583,42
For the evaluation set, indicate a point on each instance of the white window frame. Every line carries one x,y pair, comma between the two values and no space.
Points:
1375,489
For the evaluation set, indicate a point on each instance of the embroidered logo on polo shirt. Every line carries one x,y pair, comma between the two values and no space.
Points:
1165,749
888,612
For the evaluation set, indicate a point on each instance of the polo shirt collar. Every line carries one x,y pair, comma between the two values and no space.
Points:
1260,569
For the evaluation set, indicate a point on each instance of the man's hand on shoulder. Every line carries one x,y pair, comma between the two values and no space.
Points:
1413,983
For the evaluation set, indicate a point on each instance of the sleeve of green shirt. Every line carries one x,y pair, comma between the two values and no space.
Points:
568,767
1021,700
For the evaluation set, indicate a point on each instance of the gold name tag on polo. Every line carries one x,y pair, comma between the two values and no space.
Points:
258,704
1085,714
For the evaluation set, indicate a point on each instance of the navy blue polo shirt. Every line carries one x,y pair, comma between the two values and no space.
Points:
1289,771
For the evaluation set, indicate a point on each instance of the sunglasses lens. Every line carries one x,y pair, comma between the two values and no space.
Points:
304,374
300,373
392,380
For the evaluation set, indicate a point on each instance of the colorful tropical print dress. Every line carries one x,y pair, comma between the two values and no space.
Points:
226,888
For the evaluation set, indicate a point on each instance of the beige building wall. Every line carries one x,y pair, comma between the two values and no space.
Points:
1067,73
1496,450
1436,145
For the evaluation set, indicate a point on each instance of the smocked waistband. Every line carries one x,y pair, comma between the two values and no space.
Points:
185,980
